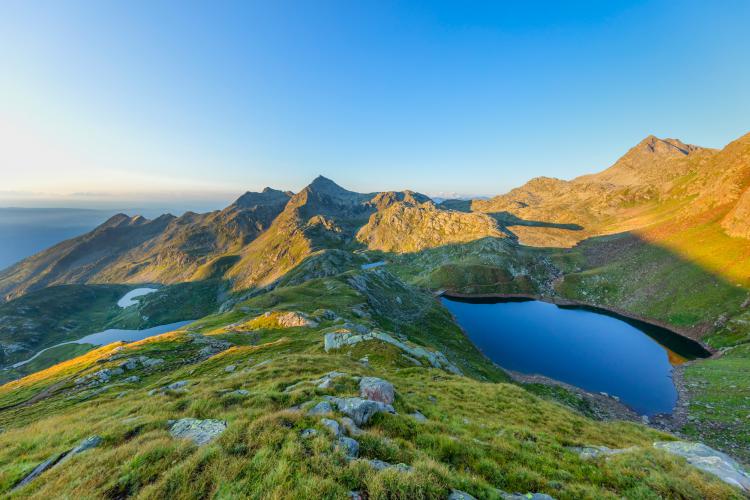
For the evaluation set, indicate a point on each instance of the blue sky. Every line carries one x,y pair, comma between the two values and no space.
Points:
177,100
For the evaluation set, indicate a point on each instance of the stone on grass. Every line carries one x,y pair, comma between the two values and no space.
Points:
326,381
240,392
527,496
349,446
332,425
709,460
199,432
132,379
376,389
322,408
86,444
417,415
360,410
460,495
308,433
591,452
379,465
230,368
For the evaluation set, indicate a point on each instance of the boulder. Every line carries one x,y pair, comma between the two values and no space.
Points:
322,408
709,460
332,425
360,410
199,432
326,381
349,446
376,389
230,368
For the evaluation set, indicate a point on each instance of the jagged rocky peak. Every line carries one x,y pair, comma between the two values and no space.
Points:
653,144
385,199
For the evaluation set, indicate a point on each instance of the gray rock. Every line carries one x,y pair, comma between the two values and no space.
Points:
417,415
349,446
150,362
240,392
360,410
332,425
132,379
86,444
379,465
355,495
326,381
322,408
295,319
709,460
308,433
199,432
343,337
376,389
590,452
460,495
230,368
130,364
175,385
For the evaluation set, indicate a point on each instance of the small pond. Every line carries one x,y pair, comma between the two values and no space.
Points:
585,347
128,299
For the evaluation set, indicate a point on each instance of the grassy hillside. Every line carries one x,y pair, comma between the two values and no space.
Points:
480,435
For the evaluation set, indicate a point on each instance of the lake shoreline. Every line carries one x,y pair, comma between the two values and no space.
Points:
559,301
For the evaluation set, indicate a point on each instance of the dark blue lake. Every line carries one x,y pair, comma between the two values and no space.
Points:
596,351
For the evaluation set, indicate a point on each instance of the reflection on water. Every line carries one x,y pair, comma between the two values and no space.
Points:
596,351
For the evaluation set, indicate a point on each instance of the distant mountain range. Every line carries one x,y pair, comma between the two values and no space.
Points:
262,236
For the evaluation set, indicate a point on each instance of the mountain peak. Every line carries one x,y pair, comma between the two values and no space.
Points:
671,147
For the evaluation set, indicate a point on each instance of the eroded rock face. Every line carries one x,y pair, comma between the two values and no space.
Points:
293,319
376,389
709,460
199,432
360,410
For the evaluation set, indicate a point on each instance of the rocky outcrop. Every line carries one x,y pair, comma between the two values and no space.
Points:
709,460
342,337
358,409
199,432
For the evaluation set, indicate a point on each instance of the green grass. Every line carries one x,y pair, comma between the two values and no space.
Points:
482,433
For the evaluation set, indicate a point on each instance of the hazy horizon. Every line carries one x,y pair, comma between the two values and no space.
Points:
203,103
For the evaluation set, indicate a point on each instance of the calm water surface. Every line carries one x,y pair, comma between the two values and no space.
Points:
584,347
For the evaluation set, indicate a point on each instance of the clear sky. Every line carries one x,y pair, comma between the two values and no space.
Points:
152,100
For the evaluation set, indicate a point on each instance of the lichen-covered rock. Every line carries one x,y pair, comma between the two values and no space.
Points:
199,432
322,408
332,425
349,446
376,389
709,460
360,410
344,337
